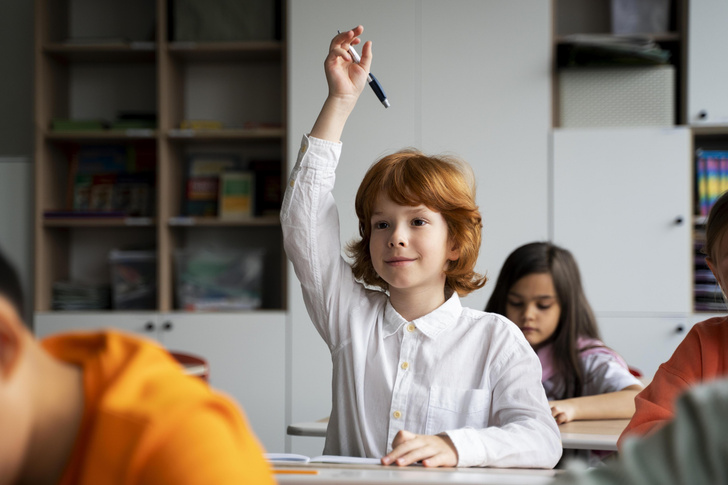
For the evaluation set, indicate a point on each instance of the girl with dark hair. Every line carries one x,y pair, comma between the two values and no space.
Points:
539,289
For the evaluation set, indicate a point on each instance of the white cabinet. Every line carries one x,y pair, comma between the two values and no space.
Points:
143,323
245,352
621,204
645,341
707,63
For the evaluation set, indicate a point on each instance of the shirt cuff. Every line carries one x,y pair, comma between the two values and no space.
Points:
318,153
471,451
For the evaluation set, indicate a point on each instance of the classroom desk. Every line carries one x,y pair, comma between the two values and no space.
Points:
582,435
389,475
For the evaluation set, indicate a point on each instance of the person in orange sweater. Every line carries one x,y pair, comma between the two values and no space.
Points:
110,408
702,355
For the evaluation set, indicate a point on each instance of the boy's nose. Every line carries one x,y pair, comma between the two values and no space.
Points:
397,239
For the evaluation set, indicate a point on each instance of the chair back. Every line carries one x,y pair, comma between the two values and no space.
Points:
193,365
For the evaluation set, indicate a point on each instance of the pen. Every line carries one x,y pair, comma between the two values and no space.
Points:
373,81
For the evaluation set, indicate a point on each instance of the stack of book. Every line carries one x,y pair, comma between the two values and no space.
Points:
68,295
112,180
222,186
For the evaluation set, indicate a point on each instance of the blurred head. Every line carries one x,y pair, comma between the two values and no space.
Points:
441,184
10,287
15,417
716,242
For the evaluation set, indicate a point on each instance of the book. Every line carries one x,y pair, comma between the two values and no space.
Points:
296,458
103,159
236,195
129,193
202,183
102,192
82,192
133,194
201,193
268,188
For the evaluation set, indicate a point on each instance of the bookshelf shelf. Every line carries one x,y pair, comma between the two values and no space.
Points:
106,53
257,134
100,222
226,51
271,221
655,37
101,136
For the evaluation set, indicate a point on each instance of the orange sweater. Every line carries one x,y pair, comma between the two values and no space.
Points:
145,422
701,356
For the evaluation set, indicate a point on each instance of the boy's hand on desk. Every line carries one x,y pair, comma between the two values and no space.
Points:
562,411
431,450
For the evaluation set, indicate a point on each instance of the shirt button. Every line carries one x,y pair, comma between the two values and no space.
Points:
293,182
405,365
397,415
411,327
303,148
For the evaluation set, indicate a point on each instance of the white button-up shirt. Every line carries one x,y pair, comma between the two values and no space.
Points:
465,372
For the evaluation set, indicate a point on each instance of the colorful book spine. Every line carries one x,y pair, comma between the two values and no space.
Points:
236,195
711,178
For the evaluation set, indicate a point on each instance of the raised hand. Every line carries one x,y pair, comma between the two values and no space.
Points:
346,80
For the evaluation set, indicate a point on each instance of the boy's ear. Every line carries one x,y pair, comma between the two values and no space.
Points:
454,253
12,339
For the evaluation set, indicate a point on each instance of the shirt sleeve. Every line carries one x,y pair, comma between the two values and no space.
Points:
690,449
310,223
655,404
210,445
605,374
522,432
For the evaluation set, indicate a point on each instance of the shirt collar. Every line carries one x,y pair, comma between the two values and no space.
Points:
431,324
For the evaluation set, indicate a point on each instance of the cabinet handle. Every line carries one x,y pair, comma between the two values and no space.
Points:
679,329
679,220
149,327
167,326
702,114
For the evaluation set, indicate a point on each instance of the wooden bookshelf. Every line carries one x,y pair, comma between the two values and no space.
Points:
140,67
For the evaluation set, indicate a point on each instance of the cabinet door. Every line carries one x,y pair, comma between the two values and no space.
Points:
144,324
707,63
645,342
622,206
246,354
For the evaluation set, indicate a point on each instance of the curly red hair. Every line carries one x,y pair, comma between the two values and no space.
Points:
442,183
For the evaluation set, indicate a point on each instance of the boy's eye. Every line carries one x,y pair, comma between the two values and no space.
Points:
419,222
381,225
